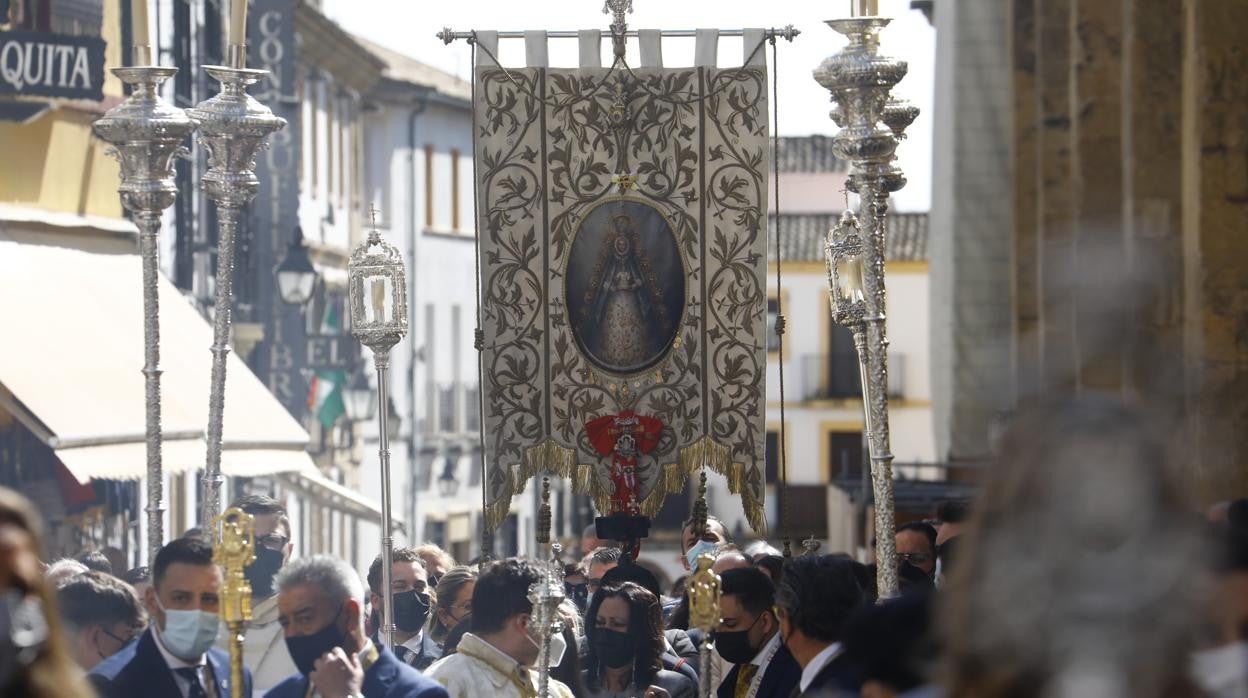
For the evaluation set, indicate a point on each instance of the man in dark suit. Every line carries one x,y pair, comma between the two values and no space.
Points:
175,657
320,603
409,588
748,637
815,598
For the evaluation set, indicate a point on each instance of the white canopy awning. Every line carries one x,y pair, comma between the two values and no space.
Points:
71,360
333,495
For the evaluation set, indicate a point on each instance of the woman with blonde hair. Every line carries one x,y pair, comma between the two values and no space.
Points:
453,602
34,661
1079,572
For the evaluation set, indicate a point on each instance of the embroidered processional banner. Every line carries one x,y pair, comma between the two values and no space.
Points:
623,253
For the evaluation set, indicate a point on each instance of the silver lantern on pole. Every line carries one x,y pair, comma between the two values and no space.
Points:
233,128
377,293
872,123
147,133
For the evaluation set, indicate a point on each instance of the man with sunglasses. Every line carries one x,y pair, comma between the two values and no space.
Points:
916,545
264,650
102,615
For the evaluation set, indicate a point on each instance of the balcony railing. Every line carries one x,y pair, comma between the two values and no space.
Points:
835,376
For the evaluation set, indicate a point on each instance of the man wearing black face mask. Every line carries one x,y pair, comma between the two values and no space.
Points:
749,638
321,605
409,583
264,651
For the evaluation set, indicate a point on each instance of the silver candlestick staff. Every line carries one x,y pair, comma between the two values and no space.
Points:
377,292
233,127
147,133
547,593
860,81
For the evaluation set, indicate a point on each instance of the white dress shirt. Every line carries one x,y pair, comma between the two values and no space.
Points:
817,664
184,685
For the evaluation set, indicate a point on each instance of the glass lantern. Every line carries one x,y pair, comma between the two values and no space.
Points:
377,287
845,270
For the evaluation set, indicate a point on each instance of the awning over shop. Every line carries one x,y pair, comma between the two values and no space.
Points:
71,360
332,495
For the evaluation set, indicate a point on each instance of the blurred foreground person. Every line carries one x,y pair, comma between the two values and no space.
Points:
889,646
33,658
452,604
321,604
496,659
749,638
264,647
814,601
1080,571
624,635
175,656
102,615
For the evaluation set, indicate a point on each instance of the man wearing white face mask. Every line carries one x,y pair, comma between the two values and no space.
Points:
175,656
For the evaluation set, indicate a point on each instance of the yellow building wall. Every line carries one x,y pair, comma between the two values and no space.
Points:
54,162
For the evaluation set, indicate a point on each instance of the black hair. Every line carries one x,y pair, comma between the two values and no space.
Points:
818,594
99,599
754,591
188,551
397,555
888,642
261,505
953,511
95,560
636,574
773,564
920,527
502,592
137,575
1237,514
645,627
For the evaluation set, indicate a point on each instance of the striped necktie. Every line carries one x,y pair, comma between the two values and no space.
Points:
745,677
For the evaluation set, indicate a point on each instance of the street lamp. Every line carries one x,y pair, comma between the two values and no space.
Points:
377,290
448,484
359,400
296,277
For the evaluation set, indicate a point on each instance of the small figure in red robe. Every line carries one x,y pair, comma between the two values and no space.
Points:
625,437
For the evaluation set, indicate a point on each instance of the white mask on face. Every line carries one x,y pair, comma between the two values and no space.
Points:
1222,671
188,634
697,549
558,646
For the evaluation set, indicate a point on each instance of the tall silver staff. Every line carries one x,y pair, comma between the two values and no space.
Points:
233,127
871,126
147,133
377,290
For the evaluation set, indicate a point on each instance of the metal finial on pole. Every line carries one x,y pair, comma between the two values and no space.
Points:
146,134
377,291
619,24
860,81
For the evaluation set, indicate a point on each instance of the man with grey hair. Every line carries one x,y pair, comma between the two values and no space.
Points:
320,603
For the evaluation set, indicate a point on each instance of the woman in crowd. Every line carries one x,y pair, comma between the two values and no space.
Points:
454,603
33,660
625,642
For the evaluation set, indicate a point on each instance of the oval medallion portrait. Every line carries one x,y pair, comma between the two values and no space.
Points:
625,285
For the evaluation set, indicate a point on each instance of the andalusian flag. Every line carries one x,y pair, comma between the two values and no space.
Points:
325,392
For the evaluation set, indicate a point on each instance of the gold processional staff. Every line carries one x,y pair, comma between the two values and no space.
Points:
234,548
704,614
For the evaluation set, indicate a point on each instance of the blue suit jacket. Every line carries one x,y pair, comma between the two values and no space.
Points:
780,678
429,653
139,671
386,678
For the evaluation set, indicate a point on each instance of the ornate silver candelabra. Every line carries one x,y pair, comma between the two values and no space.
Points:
377,292
147,133
860,81
547,593
233,127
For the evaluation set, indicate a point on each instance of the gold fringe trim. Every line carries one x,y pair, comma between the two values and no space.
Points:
549,456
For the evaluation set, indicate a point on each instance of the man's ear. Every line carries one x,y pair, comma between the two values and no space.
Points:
521,622
353,612
150,601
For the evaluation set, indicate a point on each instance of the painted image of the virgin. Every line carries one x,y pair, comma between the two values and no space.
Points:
625,286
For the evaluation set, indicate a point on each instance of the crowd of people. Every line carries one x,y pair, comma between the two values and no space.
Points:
1082,569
